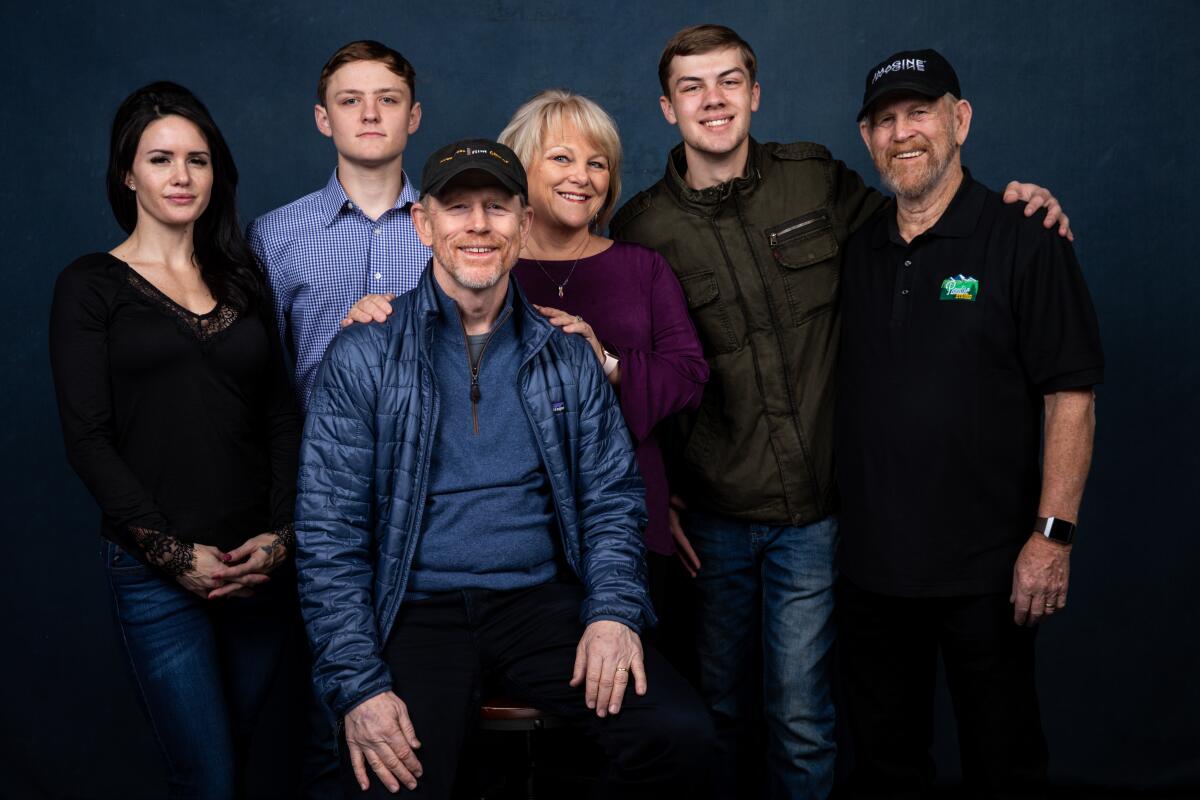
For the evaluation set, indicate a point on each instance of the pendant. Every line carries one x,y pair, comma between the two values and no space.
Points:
560,294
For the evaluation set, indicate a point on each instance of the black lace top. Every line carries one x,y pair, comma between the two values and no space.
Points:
183,426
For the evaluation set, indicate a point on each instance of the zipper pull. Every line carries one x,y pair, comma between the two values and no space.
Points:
475,395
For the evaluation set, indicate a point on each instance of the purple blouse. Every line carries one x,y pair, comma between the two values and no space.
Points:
633,302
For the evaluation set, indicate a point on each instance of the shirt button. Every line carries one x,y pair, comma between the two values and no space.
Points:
378,231
378,275
908,263
904,291
349,205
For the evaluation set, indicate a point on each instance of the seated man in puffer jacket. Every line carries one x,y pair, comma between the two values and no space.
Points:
470,516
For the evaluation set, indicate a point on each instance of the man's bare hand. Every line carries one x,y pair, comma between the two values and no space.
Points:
608,652
1040,579
379,733
1036,197
370,308
683,546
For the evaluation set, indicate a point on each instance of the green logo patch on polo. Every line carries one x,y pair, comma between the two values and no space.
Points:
959,287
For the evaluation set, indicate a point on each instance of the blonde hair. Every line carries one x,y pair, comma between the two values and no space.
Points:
553,109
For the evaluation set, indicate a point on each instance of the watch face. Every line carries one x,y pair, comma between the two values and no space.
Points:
1058,530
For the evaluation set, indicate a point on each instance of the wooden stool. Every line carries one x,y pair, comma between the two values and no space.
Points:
500,713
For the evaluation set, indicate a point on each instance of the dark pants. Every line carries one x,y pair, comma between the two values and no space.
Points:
203,669
673,592
314,736
888,649
445,651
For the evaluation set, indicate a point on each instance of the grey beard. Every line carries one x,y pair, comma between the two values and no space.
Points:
929,181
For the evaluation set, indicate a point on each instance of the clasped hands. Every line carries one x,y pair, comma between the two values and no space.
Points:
380,734
215,574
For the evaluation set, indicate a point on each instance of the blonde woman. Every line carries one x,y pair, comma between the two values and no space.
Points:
623,298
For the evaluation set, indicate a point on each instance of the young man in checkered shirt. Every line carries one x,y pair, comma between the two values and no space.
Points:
354,237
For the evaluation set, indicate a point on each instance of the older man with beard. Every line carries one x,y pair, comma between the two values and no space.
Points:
969,343
470,515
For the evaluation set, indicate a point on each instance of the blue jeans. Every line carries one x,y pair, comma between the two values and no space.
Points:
776,581
202,669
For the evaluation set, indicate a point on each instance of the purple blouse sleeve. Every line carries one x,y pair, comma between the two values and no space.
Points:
670,377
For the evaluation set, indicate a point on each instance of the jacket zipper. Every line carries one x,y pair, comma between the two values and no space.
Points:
474,369
562,528
421,482
790,232
775,236
787,379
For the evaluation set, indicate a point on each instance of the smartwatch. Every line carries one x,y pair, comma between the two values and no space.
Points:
1055,529
611,362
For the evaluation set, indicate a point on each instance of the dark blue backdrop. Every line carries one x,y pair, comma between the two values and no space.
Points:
1096,100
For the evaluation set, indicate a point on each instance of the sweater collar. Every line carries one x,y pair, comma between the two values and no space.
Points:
449,318
531,328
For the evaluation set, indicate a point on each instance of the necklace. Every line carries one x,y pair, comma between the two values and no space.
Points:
563,285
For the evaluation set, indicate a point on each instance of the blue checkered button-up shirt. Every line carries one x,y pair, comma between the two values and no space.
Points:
321,253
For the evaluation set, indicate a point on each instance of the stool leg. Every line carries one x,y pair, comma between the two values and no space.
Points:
529,763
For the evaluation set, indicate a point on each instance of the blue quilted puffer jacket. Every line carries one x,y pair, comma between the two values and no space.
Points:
364,471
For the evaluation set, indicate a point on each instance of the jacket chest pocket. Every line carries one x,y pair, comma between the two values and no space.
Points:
806,251
708,312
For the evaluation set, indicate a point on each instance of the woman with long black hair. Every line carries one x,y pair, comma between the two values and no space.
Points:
178,416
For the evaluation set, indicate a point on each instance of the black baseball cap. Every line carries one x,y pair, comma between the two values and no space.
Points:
464,155
925,72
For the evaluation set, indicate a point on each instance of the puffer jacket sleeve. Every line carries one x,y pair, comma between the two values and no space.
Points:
611,500
334,560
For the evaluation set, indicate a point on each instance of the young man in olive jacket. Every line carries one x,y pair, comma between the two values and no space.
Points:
754,232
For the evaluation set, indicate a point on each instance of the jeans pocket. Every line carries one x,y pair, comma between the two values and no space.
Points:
118,560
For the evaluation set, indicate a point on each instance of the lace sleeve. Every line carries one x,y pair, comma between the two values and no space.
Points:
165,551
285,536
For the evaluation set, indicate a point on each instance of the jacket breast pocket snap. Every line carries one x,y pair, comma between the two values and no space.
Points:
806,249
708,312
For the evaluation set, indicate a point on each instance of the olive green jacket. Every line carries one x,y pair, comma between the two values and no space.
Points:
758,258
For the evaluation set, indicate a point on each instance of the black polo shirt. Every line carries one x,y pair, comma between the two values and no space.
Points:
948,345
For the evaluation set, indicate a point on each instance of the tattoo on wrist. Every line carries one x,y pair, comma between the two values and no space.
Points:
284,537
165,551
